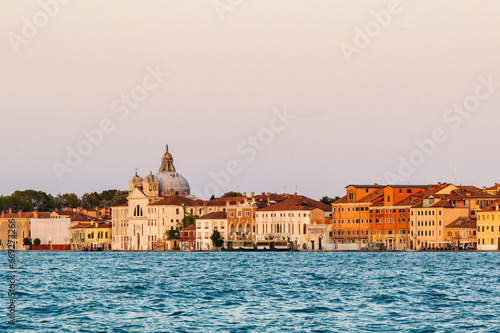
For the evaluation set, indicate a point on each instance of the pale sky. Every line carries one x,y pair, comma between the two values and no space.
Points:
231,66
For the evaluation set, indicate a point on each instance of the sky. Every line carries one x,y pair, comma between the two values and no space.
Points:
255,96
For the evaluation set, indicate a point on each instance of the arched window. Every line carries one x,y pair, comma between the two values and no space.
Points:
248,230
137,211
231,229
240,228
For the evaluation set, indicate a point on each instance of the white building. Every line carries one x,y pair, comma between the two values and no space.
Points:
53,233
156,204
205,227
289,220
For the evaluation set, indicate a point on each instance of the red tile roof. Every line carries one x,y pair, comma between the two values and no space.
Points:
224,201
442,204
492,207
189,228
463,222
214,216
90,225
297,202
177,200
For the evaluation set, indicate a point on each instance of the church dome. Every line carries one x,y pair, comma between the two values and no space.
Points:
171,182
136,179
151,178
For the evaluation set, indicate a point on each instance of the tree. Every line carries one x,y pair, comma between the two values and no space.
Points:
217,239
91,200
328,200
27,241
119,198
231,194
189,219
212,197
36,242
172,234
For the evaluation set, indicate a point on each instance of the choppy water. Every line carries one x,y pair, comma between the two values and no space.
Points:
255,292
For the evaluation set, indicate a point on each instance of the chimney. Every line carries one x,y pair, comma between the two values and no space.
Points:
484,188
375,184
10,210
253,193
295,193
20,213
263,193
35,214
244,194
3,213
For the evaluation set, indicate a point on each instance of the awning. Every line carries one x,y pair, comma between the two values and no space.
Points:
466,242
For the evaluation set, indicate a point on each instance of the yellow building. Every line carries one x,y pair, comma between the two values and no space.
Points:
488,228
91,236
22,228
493,189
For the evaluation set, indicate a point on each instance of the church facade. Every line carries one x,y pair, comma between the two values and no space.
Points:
156,204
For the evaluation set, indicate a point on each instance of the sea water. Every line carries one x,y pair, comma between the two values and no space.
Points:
253,292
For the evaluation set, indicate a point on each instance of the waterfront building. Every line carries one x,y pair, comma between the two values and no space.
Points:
488,227
289,220
53,233
352,223
22,228
240,219
156,204
205,227
461,233
187,238
320,235
428,220
90,236
371,216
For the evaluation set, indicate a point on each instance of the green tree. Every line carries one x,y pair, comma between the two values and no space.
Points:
66,200
212,197
232,194
172,234
27,241
217,239
119,198
328,200
91,200
36,242
188,219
